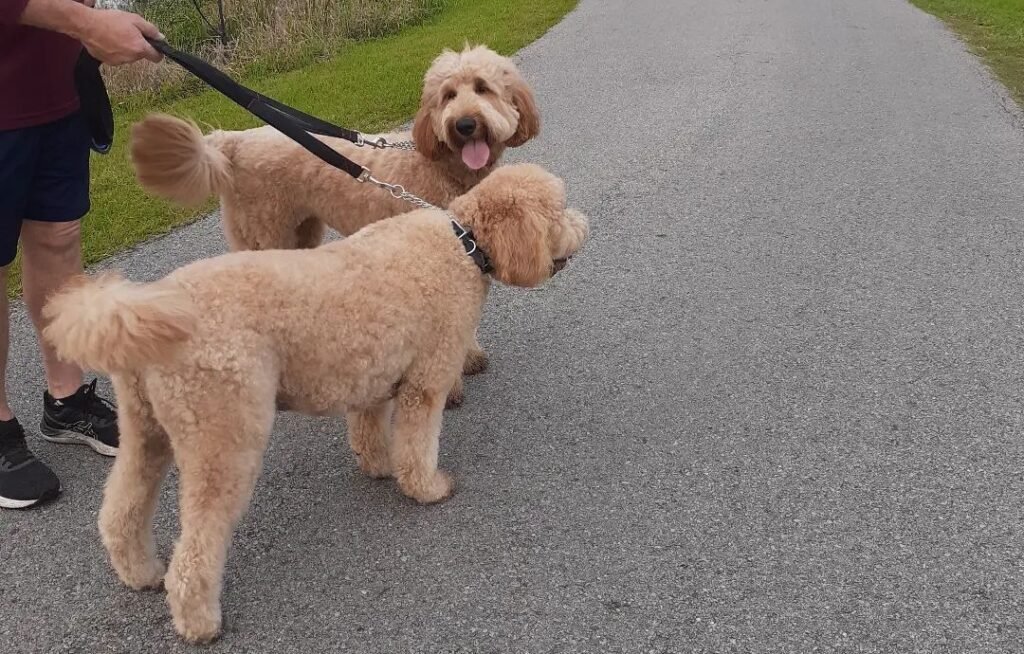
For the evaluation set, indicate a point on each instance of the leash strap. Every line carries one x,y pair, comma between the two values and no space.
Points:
95,103
291,122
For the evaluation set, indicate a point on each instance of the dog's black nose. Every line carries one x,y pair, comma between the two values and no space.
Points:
465,126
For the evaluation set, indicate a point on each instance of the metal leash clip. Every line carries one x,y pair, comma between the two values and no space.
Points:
381,143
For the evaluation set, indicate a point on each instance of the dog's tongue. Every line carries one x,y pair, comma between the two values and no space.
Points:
475,154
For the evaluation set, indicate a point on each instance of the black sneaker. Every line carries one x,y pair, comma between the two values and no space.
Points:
24,480
84,417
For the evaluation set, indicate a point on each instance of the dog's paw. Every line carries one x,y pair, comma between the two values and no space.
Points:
475,362
455,396
439,487
198,626
196,618
455,399
143,576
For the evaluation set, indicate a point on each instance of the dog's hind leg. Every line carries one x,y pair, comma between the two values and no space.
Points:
456,395
233,223
476,358
218,445
132,490
368,434
215,491
254,228
309,233
414,445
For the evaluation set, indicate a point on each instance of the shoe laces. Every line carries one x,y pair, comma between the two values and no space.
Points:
96,405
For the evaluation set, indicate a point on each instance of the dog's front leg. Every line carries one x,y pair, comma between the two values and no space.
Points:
368,435
415,444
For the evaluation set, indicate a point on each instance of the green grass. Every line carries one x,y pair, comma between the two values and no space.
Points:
262,36
370,86
993,29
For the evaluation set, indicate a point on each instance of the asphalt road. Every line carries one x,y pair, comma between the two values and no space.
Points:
774,407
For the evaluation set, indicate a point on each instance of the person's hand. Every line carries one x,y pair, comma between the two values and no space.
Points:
118,37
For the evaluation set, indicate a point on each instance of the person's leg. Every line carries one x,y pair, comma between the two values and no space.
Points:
24,480
51,254
5,336
19,152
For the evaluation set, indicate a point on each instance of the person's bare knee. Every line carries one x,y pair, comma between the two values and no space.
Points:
52,241
51,256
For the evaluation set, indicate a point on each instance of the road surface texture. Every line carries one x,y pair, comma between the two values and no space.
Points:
775,406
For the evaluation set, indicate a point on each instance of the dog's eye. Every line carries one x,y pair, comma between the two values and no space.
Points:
449,95
481,87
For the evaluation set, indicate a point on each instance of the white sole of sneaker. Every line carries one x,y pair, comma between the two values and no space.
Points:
74,438
8,503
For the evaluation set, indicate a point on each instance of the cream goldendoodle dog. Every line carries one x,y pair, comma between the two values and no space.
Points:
275,195
373,327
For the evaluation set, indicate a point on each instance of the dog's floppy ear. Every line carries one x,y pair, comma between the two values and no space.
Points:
519,254
511,213
513,232
423,133
517,245
529,116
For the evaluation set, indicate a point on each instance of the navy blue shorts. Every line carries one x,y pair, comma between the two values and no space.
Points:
44,175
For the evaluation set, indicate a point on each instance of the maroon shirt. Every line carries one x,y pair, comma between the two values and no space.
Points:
37,81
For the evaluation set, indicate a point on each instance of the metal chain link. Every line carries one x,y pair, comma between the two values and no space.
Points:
401,145
397,191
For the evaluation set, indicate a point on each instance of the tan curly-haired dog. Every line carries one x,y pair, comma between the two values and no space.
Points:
373,327
274,194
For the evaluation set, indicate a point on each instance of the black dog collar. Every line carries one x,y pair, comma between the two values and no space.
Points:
479,257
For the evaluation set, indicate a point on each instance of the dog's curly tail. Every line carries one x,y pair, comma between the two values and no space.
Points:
173,159
109,324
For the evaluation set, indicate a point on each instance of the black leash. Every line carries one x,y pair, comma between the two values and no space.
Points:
291,122
300,126
94,102
245,96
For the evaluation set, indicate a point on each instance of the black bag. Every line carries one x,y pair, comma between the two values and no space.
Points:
95,103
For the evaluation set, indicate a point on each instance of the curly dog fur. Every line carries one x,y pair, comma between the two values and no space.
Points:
275,195
373,327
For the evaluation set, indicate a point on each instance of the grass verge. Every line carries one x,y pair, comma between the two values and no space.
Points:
992,29
370,86
259,36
